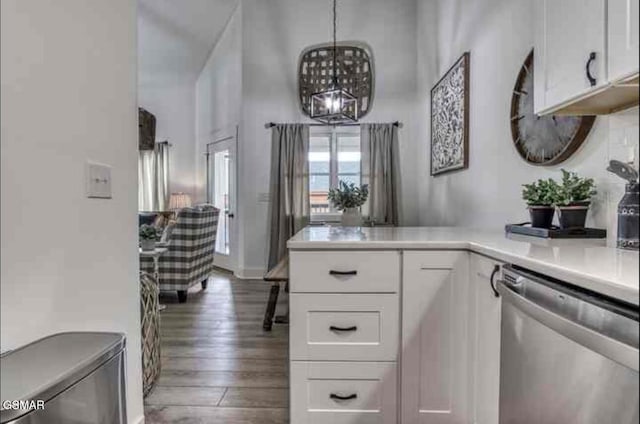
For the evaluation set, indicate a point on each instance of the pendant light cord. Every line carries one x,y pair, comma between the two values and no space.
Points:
335,43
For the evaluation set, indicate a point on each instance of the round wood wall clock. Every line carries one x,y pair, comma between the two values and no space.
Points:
543,140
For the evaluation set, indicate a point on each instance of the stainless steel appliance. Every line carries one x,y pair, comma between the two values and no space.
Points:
68,378
568,356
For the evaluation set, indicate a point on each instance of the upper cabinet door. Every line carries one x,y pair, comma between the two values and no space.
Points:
435,346
570,51
624,17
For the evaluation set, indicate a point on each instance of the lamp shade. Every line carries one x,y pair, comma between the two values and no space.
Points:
179,200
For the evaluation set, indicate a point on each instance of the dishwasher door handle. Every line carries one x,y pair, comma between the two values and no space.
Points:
606,346
492,280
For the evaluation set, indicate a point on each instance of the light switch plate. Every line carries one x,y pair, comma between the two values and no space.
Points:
98,182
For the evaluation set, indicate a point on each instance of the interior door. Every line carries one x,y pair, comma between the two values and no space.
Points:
221,192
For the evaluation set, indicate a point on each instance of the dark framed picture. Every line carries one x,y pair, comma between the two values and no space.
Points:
450,119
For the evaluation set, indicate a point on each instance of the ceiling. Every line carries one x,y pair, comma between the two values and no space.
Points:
175,37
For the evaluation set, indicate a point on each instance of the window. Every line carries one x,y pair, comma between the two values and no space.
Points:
334,155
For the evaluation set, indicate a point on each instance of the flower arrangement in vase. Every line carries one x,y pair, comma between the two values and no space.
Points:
148,235
348,198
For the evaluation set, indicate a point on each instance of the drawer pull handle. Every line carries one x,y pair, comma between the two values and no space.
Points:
334,396
334,272
343,329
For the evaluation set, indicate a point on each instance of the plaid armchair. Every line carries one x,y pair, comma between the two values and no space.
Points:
191,245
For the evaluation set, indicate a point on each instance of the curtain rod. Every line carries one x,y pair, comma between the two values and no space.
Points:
273,124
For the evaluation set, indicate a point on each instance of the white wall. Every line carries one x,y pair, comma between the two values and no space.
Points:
218,107
173,104
274,35
499,35
218,96
68,95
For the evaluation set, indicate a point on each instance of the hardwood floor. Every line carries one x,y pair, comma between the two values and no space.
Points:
218,365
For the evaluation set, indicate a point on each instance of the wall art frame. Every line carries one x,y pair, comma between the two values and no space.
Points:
450,119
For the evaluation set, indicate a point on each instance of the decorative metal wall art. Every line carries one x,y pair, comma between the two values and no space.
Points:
354,69
147,129
450,119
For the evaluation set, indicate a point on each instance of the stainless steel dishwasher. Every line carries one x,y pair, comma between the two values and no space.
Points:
568,356
67,378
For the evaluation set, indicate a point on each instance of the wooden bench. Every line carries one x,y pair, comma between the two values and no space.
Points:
277,275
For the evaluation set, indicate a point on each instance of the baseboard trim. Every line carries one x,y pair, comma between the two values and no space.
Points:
250,273
223,270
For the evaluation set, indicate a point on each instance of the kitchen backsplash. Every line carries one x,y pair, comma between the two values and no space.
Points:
624,145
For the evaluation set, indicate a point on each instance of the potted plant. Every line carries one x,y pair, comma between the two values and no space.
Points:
348,198
540,196
148,236
573,199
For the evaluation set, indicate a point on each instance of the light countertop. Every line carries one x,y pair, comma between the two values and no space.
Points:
584,263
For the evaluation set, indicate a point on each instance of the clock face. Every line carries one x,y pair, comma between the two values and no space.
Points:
543,140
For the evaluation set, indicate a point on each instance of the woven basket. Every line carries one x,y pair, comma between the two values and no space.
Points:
150,331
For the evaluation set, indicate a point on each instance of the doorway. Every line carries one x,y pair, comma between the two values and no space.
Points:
221,192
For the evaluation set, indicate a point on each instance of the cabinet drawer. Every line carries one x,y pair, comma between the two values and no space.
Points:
345,272
343,393
344,327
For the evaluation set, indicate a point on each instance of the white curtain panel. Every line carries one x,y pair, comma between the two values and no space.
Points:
153,178
290,206
380,170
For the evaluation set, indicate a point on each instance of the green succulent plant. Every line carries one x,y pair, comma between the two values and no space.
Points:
570,191
540,193
148,232
348,195
574,189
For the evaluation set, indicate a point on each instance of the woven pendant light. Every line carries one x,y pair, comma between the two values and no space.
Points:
334,105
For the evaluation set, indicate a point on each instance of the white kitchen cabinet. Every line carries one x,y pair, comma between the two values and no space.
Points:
623,44
345,272
484,309
344,336
435,345
343,393
568,32
344,327
434,311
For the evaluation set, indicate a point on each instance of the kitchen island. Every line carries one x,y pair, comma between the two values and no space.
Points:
402,325
584,263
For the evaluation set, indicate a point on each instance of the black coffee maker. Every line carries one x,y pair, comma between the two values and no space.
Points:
629,206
